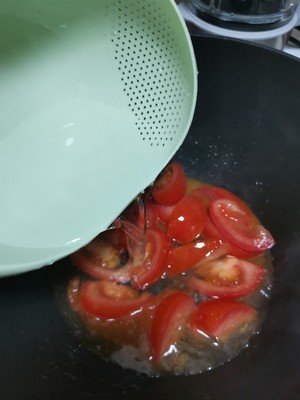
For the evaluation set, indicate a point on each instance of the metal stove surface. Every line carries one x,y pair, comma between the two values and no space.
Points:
293,45
286,38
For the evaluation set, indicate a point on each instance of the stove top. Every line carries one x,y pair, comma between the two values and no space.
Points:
285,38
293,45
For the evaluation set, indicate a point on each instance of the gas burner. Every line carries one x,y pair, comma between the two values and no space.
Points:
284,36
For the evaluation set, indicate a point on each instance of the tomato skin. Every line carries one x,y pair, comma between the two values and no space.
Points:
120,275
227,278
142,269
210,231
101,258
220,318
152,267
164,212
169,317
187,220
109,300
170,186
185,257
239,226
210,193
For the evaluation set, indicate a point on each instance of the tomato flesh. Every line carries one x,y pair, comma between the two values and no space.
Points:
168,320
238,226
220,318
187,220
187,256
210,193
102,257
227,278
120,275
170,186
164,212
153,265
210,231
109,300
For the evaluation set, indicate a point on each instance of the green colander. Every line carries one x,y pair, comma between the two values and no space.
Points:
96,97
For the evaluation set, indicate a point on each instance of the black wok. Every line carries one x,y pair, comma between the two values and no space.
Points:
246,136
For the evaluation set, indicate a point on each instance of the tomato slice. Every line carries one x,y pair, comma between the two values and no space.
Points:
110,300
170,186
169,318
210,193
147,257
221,318
187,256
210,231
91,266
164,212
187,220
239,226
227,277
150,269
102,257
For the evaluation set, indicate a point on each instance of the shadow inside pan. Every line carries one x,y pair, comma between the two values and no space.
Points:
245,136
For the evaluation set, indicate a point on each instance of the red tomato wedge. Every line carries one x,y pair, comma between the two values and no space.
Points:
227,278
170,186
109,300
240,226
210,193
210,231
219,318
187,220
144,267
187,256
164,212
169,318
94,267
101,258
151,268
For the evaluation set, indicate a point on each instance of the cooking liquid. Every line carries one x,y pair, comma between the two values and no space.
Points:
125,341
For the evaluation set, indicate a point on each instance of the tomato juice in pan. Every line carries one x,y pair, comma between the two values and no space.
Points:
179,285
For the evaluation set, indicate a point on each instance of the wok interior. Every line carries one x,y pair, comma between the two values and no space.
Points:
245,136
